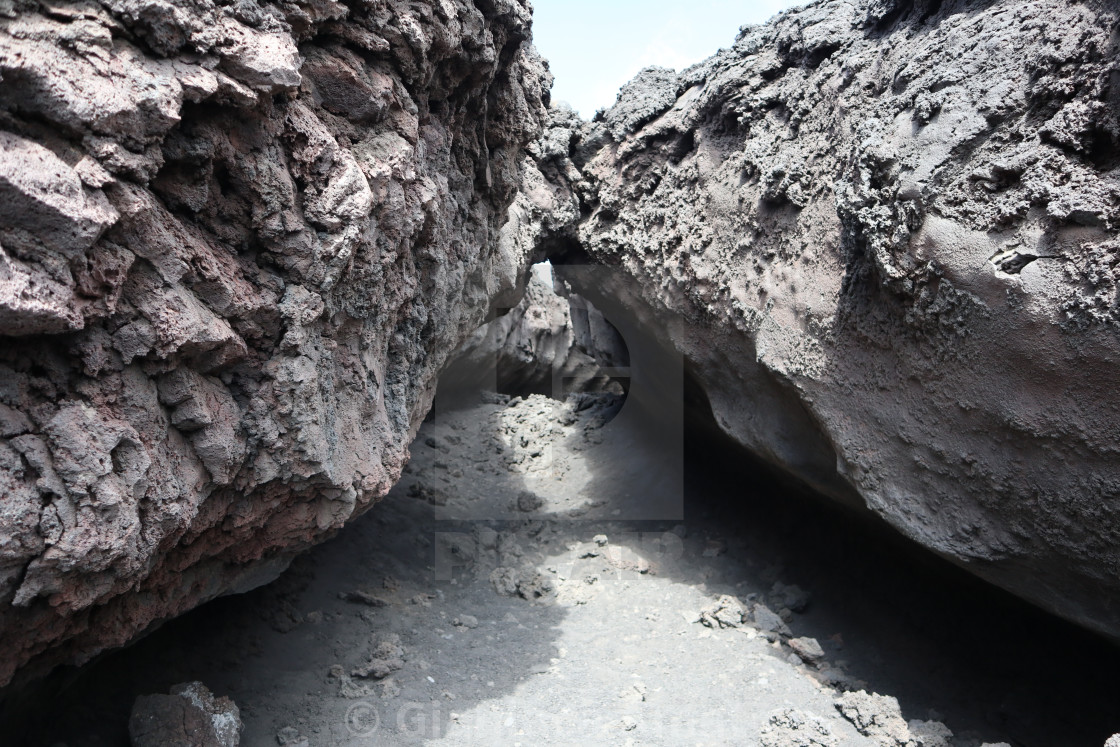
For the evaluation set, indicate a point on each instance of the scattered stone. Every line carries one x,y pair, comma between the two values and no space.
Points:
793,597
189,717
625,559
504,581
930,733
600,540
363,597
836,678
878,717
289,736
387,657
808,649
629,723
347,687
529,502
285,618
727,612
534,585
389,688
530,585
794,728
769,621
465,621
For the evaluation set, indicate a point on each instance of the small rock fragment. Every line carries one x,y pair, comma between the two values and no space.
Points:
289,736
930,733
768,621
504,581
387,657
808,649
530,584
528,502
878,717
347,687
466,621
363,597
727,612
794,728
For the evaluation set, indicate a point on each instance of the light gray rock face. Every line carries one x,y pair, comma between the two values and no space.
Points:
554,342
885,237
237,244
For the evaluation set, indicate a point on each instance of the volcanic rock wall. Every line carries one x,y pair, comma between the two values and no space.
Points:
554,343
239,240
884,234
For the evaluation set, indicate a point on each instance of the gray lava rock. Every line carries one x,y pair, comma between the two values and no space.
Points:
768,621
529,502
808,649
794,728
883,236
880,718
387,657
189,717
727,612
234,256
553,335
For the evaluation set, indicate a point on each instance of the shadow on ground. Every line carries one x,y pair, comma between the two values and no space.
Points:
595,639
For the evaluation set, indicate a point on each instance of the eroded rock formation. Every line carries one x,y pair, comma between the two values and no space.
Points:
554,342
239,240
884,235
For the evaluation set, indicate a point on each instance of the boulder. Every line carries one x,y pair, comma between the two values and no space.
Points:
238,242
884,236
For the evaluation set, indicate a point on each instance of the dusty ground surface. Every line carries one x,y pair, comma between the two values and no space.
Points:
513,590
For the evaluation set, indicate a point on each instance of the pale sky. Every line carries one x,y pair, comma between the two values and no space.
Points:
595,46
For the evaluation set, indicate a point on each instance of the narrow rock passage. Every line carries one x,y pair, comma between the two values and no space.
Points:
509,592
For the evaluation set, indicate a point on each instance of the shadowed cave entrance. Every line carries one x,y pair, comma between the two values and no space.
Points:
536,596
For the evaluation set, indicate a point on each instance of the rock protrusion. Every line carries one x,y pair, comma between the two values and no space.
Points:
191,716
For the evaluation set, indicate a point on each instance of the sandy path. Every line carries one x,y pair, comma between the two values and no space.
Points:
511,591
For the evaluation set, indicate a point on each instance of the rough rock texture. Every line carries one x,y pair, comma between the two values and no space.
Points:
239,241
552,343
189,717
880,718
884,234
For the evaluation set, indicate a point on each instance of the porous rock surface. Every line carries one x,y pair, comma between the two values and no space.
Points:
239,240
883,233
191,716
